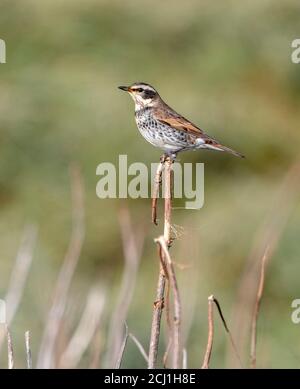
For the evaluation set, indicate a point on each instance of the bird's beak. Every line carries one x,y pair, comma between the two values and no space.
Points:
125,88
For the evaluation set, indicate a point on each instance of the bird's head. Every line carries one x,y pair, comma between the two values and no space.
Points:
144,95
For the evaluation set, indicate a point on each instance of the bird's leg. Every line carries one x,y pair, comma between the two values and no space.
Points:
156,188
163,158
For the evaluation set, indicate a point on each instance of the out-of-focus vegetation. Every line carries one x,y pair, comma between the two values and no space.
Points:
226,66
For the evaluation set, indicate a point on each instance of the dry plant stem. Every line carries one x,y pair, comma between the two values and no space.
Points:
132,248
140,347
156,187
121,352
211,301
156,319
167,235
160,292
176,351
168,200
184,358
256,311
84,333
55,315
210,337
28,350
19,274
168,319
228,331
10,352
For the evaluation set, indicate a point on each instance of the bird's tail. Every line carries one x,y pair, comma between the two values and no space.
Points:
231,151
219,147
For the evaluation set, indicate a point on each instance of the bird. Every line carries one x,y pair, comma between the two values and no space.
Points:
166,129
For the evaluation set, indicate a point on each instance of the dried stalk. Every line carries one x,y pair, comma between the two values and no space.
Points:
53,323
156,319
139,346
229,332
211,301
132,247
10,351
260,290
210,337
86,329
160,292
156,187
19,275
184,358
121,352
177,353
20,272
168,200
168,320
28,350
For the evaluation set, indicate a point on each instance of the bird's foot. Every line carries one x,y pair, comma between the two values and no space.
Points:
168,156
173,157
163,158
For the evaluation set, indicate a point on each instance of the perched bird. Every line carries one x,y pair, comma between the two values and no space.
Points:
163,127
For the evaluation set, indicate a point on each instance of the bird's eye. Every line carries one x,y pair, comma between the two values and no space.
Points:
140,90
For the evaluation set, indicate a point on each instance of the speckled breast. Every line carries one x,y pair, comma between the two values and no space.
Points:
159,134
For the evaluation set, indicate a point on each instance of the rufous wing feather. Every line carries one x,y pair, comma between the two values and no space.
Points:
173,119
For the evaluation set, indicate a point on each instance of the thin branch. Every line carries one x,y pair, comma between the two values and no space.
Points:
28,350
132,248
86,329
211,300
177,303
140,347
260,290
156,319
160,291
121,352
227,330
155,193
210,337
168,200
221,314
168,320
184,358
55,315
10,351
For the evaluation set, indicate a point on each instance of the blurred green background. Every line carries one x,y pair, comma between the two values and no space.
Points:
226,66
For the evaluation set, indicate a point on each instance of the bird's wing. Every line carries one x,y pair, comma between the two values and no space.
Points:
173,119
